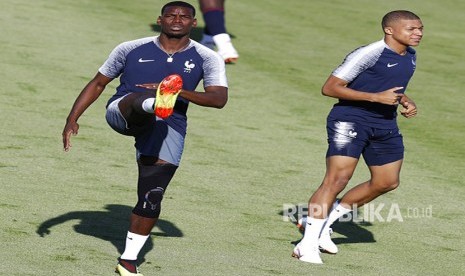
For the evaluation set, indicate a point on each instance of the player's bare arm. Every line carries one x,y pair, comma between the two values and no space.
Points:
337,88
214,96
88,95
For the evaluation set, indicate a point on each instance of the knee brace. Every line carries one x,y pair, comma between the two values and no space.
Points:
151,186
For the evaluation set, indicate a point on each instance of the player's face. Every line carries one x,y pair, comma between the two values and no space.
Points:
407,32
177,22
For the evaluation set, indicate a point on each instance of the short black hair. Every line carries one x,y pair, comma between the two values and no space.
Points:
397,15
178,4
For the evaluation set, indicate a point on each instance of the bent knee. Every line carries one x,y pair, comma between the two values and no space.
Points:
387,186
393,186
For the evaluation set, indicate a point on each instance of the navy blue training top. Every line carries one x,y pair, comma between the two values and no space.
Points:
143,61
373,68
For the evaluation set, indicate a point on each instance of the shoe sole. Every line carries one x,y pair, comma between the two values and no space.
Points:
120,270
230,60
295,255
322,250
167,93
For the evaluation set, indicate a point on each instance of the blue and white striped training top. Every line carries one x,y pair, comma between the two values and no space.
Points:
373,68
143,61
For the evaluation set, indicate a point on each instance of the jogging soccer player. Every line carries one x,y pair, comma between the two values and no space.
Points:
214,33
370,84
179,63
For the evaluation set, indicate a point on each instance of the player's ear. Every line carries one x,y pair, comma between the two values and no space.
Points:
159,20
194,23
388,30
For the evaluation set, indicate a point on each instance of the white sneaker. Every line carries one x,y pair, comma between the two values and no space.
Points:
307,253
325,243
207,40
225,48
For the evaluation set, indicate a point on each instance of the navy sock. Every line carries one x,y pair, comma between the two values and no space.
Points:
214,21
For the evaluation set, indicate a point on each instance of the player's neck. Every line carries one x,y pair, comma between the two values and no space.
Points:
399,48
173,45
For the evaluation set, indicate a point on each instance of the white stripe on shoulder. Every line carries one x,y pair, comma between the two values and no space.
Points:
116,61
213,66
359,60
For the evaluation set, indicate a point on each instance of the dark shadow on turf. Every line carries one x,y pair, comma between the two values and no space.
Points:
111,225
353,231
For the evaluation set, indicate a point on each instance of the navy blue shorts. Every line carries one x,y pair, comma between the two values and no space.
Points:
156,139
377,146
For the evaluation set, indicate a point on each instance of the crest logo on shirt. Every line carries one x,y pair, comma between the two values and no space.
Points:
344,134
352,134
188,66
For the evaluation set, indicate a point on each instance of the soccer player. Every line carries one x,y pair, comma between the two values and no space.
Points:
370,84
214,33
141,65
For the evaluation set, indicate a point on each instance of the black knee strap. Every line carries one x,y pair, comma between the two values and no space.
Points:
152,183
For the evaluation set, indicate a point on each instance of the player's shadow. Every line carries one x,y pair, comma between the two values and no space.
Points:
111,225
354,231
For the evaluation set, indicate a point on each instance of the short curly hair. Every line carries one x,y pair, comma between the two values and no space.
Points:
393,16
178,4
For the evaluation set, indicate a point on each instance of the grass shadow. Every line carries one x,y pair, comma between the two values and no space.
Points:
353,232
111,225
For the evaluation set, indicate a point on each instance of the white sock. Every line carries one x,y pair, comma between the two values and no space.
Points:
222,39
335,214
134,244
224,45
312,230
147,105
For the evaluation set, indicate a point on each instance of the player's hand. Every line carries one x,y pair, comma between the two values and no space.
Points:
150,86
390,96
409,109
70,128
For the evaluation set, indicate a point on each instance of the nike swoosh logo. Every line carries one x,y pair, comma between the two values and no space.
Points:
145,60
389,65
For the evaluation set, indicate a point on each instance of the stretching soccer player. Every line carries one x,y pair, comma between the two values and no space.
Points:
370,84
179,64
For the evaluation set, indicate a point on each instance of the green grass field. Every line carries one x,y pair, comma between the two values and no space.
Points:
222,214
